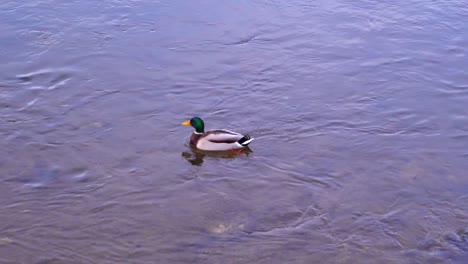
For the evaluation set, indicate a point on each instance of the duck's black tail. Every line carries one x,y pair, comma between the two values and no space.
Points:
245,140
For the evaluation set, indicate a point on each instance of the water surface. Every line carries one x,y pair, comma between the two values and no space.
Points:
358,109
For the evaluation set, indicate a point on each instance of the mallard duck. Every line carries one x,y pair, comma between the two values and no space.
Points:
215,140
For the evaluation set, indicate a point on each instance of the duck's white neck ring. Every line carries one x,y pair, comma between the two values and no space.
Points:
195,132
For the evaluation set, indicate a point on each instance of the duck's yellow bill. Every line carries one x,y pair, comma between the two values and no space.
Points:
186,123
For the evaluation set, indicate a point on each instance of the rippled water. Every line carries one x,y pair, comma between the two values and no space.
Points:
359,110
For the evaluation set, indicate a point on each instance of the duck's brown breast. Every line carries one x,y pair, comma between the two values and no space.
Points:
194,138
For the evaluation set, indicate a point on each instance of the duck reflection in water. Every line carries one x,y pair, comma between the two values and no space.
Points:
196,156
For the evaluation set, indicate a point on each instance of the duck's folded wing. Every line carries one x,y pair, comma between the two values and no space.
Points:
222,136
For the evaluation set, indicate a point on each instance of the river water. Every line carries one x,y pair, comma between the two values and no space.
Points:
359,110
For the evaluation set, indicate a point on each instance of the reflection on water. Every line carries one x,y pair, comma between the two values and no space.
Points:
196,156
358,109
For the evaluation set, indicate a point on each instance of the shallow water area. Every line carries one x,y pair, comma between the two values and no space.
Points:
358,110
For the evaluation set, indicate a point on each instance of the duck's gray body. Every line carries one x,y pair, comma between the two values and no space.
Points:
219,140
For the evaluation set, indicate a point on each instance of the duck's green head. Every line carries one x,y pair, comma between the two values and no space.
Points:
197,123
